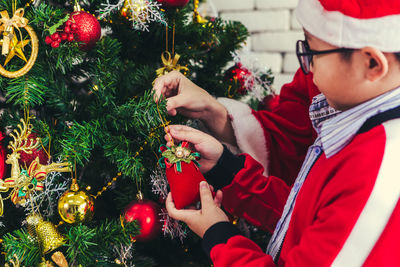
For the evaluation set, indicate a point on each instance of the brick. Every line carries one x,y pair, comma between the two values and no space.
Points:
276,41
281,79
228,5
271,61
290,62
268,4
256,21
294,24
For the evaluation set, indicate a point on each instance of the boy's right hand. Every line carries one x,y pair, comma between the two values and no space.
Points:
184,96
209,148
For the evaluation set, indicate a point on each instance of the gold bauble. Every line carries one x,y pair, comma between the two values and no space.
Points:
48,236
32,221
76,206
138,6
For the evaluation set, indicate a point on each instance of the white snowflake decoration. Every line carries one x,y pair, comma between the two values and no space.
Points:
258,88
142,12
44,200
170,227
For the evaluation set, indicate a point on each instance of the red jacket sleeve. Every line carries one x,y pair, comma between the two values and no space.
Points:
278,138
247,191
287,127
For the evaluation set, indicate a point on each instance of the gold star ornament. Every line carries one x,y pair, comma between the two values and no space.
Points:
10,30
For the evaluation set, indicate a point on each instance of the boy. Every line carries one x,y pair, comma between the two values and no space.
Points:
343,208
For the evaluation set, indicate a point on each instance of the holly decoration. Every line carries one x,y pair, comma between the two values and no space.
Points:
147,214
79,26
182,172
240,78
173,3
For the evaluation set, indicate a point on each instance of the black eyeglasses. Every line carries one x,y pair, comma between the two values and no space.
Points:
305,54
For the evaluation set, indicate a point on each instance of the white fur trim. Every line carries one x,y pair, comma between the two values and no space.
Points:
340,30
380,205
248,131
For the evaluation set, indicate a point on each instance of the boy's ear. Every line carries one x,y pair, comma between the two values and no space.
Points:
376,63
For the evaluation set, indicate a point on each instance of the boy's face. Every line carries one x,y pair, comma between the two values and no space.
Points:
340,80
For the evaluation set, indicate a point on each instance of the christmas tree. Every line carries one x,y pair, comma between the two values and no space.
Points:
82,130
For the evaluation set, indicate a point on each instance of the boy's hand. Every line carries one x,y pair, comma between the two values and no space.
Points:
200,220
209,148
184,96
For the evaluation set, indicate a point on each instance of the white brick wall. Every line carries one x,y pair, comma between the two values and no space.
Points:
273,29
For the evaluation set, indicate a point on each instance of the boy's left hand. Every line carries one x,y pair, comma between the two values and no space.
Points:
200,220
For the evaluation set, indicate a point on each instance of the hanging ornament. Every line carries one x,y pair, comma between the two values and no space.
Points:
139,12
13,43
173,3
183,174
24,181
197,18
76,206
59,258
238,77
147,214
27,158
48,236
85,29
170,63
45,263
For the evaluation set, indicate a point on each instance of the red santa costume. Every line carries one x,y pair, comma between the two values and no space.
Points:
343,209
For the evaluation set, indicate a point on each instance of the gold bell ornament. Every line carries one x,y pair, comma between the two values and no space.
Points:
48,236
76,206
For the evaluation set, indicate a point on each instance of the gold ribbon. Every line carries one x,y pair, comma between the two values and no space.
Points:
170,64
7,24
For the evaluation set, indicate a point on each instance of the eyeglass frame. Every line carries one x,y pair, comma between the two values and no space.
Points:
310,53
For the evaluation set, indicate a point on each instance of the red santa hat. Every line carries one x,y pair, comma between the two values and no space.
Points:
353,23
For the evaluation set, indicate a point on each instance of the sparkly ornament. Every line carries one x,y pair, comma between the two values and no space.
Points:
13,44
173,3
87,29
76,206
23,181
139,12
27,158
146,212
59,258
183,174
238,76
48,236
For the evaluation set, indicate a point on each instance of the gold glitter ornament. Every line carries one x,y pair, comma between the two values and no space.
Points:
48,236
76,206
135,10
32,222
45,263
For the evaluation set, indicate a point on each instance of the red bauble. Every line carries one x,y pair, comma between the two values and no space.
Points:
147,214
26,159
173,3
87,30
241,77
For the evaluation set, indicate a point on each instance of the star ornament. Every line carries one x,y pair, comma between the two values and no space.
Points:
16,48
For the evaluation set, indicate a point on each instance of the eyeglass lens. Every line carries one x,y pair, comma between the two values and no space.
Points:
304,59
